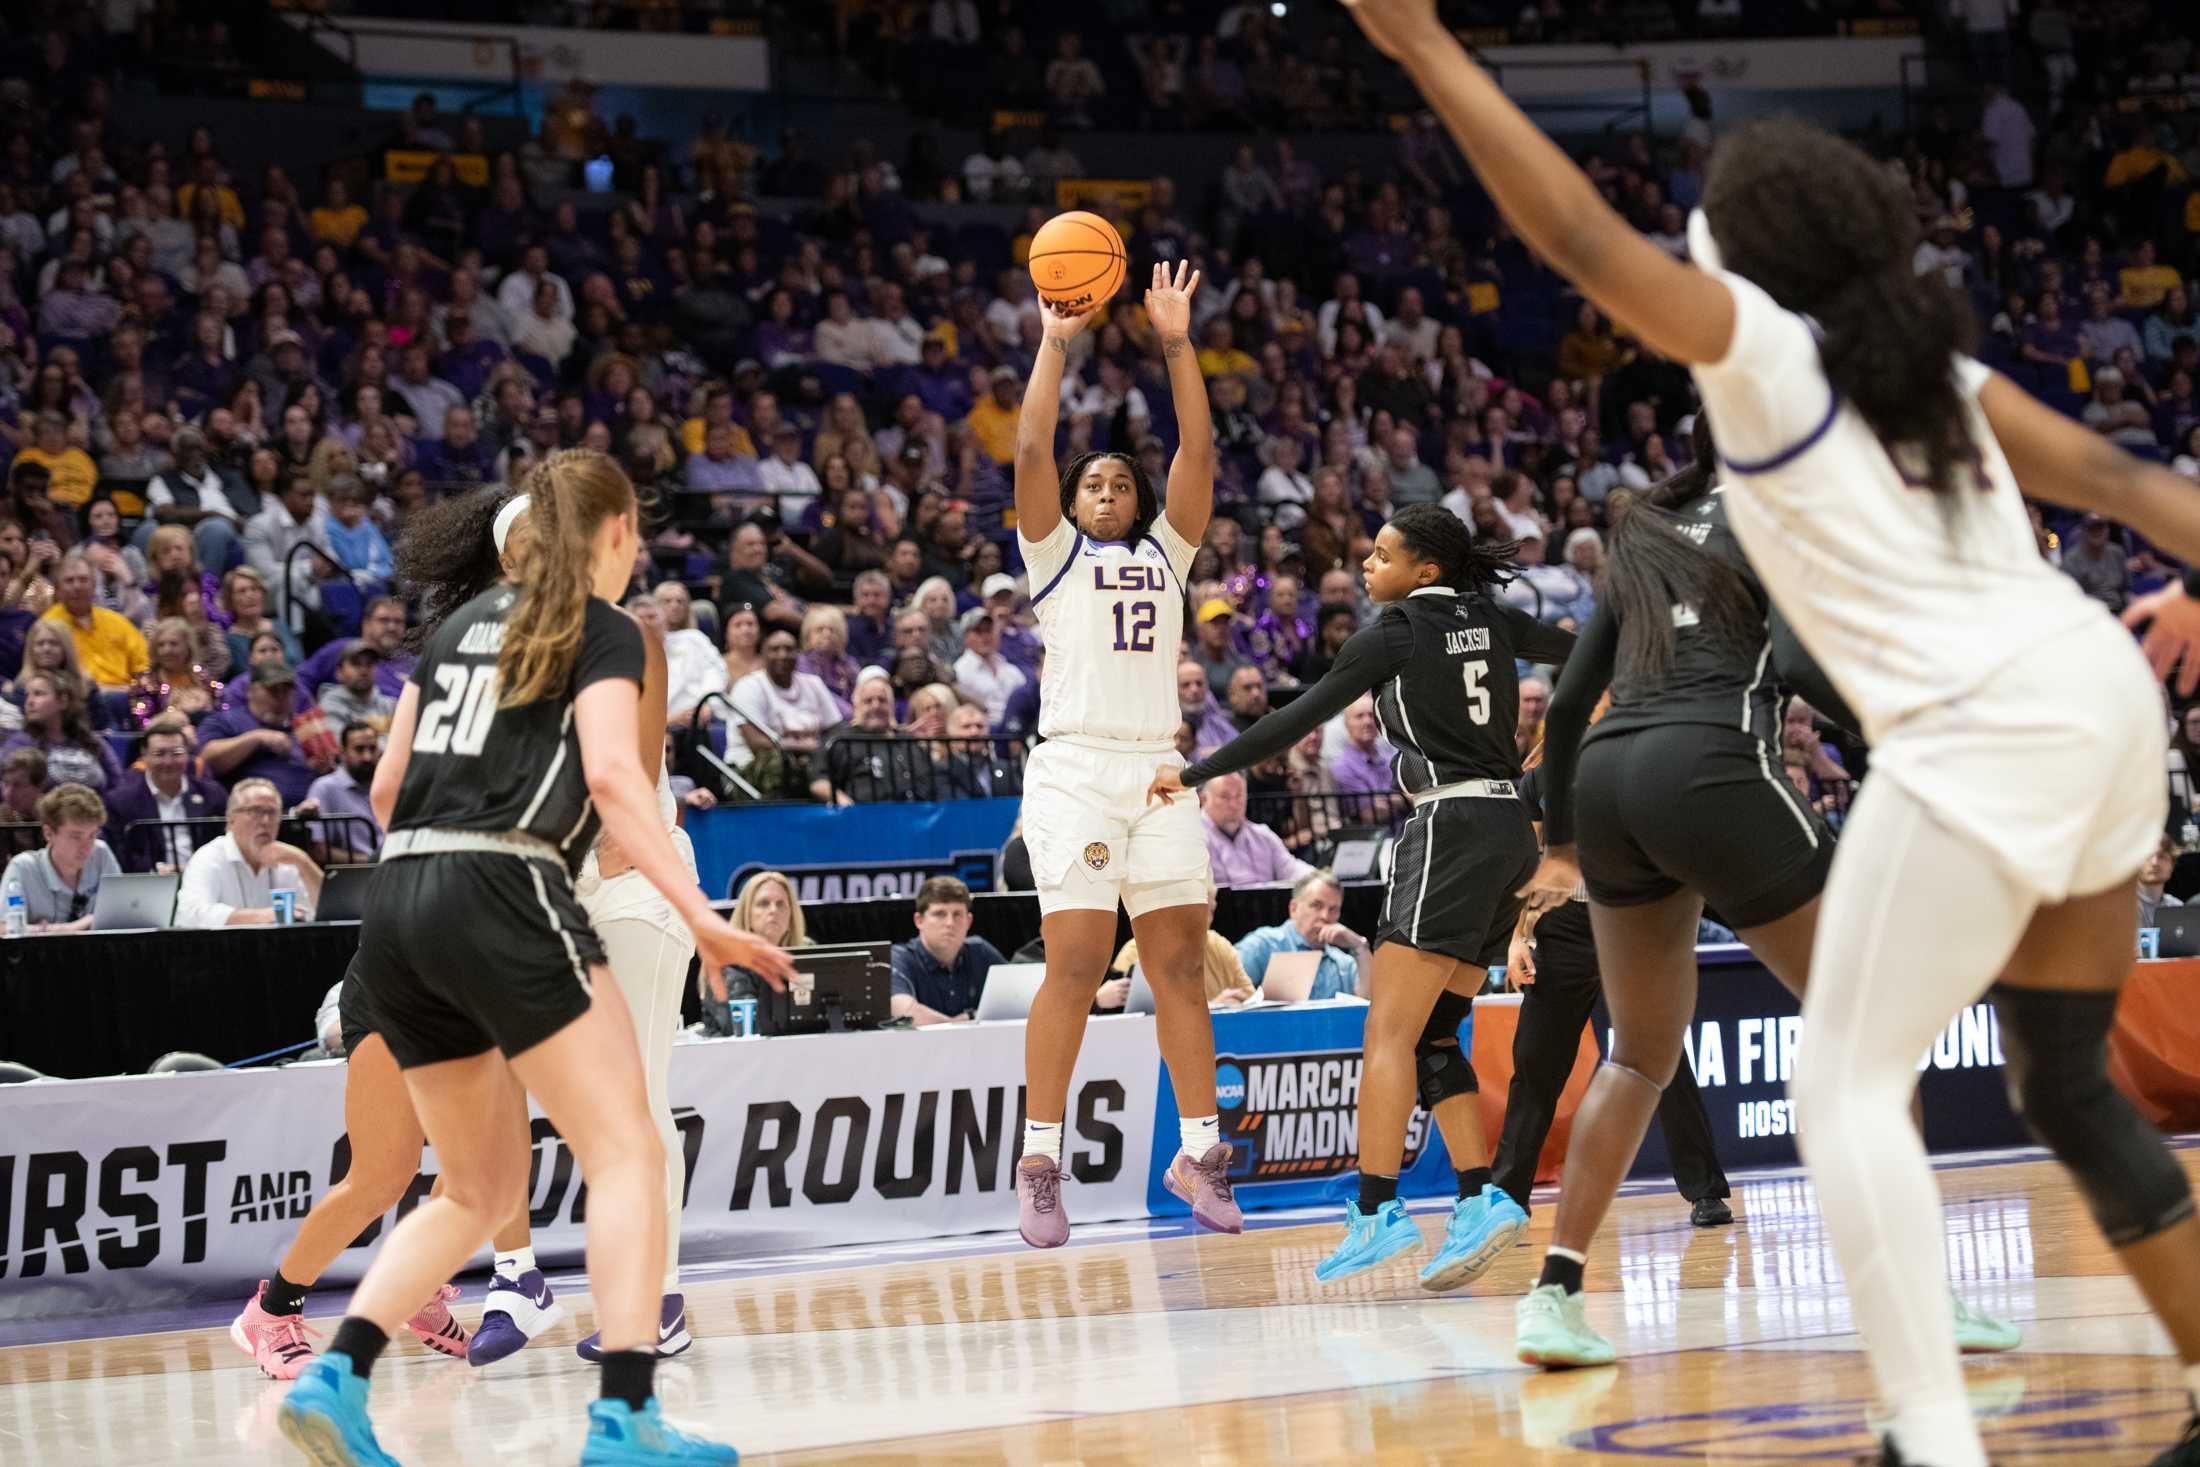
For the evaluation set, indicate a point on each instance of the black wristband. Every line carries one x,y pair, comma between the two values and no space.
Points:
2192,580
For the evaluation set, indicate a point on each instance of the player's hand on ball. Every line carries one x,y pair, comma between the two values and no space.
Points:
1060,323
1395,26
2172,622
722,945
1169,299
1555,880
1166,786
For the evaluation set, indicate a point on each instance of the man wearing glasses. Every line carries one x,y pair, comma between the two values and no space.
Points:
230,881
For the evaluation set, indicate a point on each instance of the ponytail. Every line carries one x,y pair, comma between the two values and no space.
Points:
1465,564
1654,569
571,494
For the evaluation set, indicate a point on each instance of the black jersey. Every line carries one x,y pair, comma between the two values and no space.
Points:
1449,696
1708,681
475,766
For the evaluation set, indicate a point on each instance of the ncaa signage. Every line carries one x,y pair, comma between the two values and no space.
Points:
865,881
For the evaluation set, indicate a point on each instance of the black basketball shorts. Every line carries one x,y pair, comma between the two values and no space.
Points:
354,1014
464,951
1702,807
1455,878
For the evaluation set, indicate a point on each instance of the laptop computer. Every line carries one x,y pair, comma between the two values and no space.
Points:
2179,928
344,894
1009,990
1290,977
136,902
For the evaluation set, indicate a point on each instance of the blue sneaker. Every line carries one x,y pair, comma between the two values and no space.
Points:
1369,1239
1482,1228
517,1309
672,1332
620,1436
324,1415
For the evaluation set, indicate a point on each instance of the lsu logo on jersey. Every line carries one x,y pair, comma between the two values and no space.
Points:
1096,855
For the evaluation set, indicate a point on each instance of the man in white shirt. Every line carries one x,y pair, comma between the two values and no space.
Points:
786,475
1413,327
1939,251
899,337
693,668
516,292
193,494
229,881
794,708
982,671
293,518
1284,487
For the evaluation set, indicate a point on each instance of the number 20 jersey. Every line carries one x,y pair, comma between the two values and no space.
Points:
1111,617
475,766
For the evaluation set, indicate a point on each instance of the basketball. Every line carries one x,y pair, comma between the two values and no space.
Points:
1077,260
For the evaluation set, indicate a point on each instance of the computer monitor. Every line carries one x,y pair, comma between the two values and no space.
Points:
833,990
344,894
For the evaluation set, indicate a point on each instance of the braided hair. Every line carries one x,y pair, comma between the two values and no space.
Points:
1465,564
1149,503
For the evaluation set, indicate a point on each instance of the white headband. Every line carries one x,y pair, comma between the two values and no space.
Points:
500,529
1702,248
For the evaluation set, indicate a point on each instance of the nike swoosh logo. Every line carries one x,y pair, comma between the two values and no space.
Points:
666,1331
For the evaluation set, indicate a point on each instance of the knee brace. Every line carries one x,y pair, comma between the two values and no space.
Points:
2056,1045
1444,1070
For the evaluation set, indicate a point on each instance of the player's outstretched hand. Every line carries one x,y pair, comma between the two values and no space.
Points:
2172,622
1395,26
1169,299
1555,880
1060,323
722,945
1166,786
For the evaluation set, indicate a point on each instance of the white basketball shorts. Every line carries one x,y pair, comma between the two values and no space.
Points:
1094,841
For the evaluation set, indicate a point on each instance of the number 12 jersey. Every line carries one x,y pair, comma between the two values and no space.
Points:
1111,617
475,766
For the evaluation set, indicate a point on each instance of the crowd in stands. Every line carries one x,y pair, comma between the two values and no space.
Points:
223,392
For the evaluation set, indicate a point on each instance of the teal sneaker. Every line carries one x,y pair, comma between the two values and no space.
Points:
1980,1333
1369,1239
324,1415
1550,1330
620,1436
1482,1228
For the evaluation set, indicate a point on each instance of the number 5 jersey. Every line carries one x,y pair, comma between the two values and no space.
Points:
476,766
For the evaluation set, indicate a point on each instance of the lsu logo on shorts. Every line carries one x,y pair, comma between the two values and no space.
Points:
1096,855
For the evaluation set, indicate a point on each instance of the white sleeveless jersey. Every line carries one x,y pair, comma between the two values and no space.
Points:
1111,617
630,895
1908,598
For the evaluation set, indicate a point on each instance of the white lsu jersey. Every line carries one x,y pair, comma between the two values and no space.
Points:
1909,599
1111,617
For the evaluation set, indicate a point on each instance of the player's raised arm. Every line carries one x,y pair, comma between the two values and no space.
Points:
1681,312
1038,481
1191,501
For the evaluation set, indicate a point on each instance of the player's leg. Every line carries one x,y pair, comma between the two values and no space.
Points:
385,1156
651,964
1079,942
2057,1000
1169,920
1889,972
1403,990
1485,1219
520,1305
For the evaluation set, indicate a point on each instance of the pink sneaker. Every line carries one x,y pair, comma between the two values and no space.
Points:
437,1330
1204,1183
1039,1214
276,1342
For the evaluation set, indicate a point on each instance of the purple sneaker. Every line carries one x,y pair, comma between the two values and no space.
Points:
672,1332
517,1310
1203,1182
1039,1214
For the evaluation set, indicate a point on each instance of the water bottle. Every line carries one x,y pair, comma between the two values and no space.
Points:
283,895
18,920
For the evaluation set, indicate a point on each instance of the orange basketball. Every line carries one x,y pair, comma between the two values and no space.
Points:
1077,260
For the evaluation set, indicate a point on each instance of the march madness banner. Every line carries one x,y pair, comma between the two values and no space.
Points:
902,844
152,1190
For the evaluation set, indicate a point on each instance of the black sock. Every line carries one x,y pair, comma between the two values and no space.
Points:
1565,1272
1375,1191
362,1341
281,1296
630,1376
1472,1180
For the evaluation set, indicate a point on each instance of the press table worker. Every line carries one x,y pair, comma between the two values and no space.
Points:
939,973
1553,965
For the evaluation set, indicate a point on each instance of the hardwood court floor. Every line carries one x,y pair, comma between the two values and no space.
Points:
1736,1349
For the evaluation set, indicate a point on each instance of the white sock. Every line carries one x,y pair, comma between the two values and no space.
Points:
2192,1385
516,1262
1943,1434
1554,1251
1199,1134
1043,1139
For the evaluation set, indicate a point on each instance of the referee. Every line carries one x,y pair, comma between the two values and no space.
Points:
1554,965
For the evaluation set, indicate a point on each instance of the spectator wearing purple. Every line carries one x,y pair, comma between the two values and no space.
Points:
1242,852
721,468
1275,640
941,383
55,724
1019,644
2049,339
383,629
871,624
431,397
1211,727
342,794
252,739
2103,333
458,456
165,790
1362,766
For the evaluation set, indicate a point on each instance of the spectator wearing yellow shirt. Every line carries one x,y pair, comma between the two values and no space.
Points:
209,179
2145,281
717,410
111,651
339,218
71,473
993,420
1221,356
